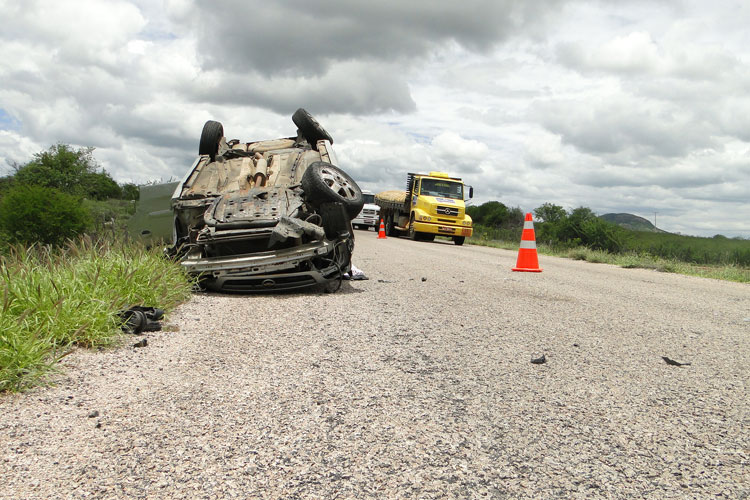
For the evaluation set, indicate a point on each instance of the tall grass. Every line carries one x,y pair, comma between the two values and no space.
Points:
722,264
693,249
54,299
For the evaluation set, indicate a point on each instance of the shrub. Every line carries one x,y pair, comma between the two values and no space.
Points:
34,214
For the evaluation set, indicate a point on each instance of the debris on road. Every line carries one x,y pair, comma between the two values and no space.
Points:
137,319
356,274
539,361
672,362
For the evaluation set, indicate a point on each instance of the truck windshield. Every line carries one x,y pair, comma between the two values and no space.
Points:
369,198
442,188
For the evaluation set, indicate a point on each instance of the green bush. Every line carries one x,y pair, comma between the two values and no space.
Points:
34,214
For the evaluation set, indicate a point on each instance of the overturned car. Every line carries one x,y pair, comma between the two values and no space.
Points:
265,215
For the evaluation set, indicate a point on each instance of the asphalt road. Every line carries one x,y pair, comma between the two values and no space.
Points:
416,383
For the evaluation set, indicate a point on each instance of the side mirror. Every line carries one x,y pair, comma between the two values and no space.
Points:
471,192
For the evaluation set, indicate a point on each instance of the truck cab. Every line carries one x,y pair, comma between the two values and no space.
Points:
369,215
438,208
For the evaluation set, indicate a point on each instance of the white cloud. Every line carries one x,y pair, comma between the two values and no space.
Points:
624,107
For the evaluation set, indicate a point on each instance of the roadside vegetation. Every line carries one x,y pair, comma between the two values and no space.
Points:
61,193
67,267
580,234
54,299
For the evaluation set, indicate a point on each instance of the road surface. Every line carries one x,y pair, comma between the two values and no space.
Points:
414,384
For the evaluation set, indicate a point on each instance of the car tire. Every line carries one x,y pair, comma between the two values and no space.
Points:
324,183
459,240
210,137
309,127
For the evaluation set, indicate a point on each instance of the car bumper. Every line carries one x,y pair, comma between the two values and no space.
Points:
365,222
273,270
443,229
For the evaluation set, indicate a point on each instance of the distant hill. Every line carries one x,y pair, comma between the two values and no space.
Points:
632,222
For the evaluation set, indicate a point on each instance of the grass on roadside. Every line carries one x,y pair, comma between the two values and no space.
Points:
632,260
52,300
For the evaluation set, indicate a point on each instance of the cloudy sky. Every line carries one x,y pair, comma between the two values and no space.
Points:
621,106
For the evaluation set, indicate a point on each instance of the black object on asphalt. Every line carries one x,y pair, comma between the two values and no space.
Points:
539,361
141,343
672,362
137,319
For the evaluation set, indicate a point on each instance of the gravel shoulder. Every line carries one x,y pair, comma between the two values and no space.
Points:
399,387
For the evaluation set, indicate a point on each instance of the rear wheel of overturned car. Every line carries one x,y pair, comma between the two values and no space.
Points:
324,183
311,130
210,137
459,240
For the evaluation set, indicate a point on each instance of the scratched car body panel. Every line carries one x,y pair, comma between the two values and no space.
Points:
265,215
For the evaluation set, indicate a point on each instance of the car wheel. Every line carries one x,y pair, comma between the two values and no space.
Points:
459,240
324,183
210,137
311,130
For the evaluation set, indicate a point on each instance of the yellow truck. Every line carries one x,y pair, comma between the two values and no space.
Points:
433,204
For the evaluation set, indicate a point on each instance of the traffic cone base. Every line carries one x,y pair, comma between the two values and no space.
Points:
381,232
528,261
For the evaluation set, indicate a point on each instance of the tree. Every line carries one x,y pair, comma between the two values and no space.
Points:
550,213
37,214
516,217
581,214
130,192
5,184
496,215
100,186
60,167
72,171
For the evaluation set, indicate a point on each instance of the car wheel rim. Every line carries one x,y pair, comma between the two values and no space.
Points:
338,184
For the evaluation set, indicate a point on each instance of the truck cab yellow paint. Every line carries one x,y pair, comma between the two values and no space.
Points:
432,205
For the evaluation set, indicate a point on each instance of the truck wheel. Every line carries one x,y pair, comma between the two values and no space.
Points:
459,240
428,237
210,137
310,128
412,231
324,183
388,223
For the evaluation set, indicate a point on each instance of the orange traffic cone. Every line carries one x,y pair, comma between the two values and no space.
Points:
381,232
527,258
